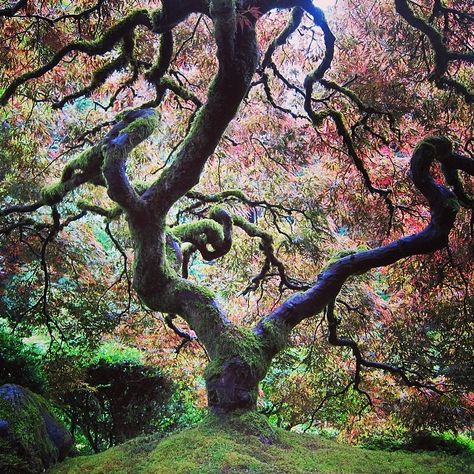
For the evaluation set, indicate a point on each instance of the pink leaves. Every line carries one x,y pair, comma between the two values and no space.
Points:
245,18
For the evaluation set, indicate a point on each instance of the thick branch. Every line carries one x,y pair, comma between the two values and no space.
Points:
225,95
21,209
291,27
444,207
135,127
161,65
80,170
216,232
329,42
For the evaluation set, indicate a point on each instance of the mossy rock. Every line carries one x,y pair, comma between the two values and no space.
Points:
31,438
245,443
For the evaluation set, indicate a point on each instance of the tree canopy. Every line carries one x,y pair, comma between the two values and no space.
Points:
253,175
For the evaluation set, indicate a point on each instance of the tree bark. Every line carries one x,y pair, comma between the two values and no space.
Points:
234,387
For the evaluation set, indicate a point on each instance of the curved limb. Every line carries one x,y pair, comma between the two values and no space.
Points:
291,27
276,210
317,117
158,69
208,232
110,152
216,232
274,328
135,127
25,208
335,340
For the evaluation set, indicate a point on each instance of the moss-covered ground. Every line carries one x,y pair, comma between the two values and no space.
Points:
248,445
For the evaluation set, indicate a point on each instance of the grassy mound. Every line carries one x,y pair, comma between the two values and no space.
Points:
247,444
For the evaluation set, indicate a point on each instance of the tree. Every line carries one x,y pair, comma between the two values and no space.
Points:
356,119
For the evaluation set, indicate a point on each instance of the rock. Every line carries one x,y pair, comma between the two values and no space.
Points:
31,438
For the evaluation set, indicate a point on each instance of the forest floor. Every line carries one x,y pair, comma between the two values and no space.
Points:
247,444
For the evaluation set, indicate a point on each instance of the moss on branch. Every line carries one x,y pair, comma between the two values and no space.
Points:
111,214
86,167
275,336
163,60
96,47
180,91
103,73
203,232
89,161
134,127
218,197
216,231
54,193
139,125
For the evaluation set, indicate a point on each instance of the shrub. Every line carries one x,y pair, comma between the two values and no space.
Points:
20,363
118,401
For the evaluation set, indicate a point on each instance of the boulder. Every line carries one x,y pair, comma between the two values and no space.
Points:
31,438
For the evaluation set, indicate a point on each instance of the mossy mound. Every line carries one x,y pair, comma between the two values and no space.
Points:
247,444
31,439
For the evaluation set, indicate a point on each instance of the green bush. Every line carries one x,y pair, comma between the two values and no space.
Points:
105,396
118,397
20,363
119,401
449,443
380,440
390,440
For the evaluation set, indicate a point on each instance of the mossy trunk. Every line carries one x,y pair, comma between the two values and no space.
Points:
239,362
233,387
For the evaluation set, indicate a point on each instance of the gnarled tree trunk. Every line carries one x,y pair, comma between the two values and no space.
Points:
239,357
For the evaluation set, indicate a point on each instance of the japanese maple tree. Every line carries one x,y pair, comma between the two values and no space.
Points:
296,85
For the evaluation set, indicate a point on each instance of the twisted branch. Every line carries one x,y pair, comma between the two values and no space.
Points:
442,56
335,340
444,207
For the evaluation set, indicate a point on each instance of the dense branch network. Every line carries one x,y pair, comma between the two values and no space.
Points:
317,117
444,206
239,358
443,57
